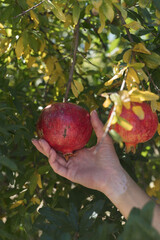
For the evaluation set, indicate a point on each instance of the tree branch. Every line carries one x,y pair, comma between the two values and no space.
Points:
76,41
28,10
123,23
98,35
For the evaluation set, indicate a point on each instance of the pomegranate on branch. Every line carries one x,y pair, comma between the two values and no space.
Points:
65,126
143,127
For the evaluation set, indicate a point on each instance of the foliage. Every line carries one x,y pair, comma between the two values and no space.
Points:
118,58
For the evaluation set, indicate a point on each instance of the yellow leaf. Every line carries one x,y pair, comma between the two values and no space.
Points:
46,78
107,102
133,76
97,3
31,60
125,124
43,45
58,67
118,75
35,200
34,17
127,56
102,20
19,47
158,130
138,111
136,65
30,3
125,98
87,44
2,30
39,182
68,21
50,61
53,78
158,106
79,86
134,25
74,90
115,97
88,8
107,9
16,204
137,95
140,47
127,105
154,105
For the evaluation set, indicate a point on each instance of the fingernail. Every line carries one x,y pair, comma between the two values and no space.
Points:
94,112
33,140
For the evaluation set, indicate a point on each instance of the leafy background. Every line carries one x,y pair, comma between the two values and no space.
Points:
36,52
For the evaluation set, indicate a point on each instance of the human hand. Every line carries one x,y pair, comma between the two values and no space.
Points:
96,167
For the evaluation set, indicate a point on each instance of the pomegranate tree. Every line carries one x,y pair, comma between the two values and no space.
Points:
65,126
142,130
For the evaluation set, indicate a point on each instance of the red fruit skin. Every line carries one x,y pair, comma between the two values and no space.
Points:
65,126
142,130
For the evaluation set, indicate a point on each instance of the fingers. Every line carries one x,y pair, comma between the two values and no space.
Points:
97,125
98,128
42,146
58,164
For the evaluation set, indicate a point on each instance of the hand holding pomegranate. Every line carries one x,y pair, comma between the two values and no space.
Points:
95,167
99,168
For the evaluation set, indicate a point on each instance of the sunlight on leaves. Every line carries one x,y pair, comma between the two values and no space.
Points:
140,47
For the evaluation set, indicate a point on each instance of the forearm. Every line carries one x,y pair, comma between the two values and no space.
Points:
127,194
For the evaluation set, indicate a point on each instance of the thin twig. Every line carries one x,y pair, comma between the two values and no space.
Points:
151,79
98,35
76,41
123,23
28,10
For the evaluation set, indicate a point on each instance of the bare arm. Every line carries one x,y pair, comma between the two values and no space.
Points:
99,168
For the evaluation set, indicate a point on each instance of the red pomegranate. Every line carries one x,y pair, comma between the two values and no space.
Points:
142,130
65,126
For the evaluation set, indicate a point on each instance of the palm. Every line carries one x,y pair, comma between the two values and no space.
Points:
89,167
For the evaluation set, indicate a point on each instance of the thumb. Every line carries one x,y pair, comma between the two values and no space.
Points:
97,125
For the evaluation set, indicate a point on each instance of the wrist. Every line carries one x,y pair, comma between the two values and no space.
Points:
116,183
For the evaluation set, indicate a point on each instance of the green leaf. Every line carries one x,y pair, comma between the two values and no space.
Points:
156,4
43,169
34,43
33,183
59,218
23,4
152,61
5,161
130,2
144,3
147,211
139,226
74,217
55,9
89,216
76,12
116,137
